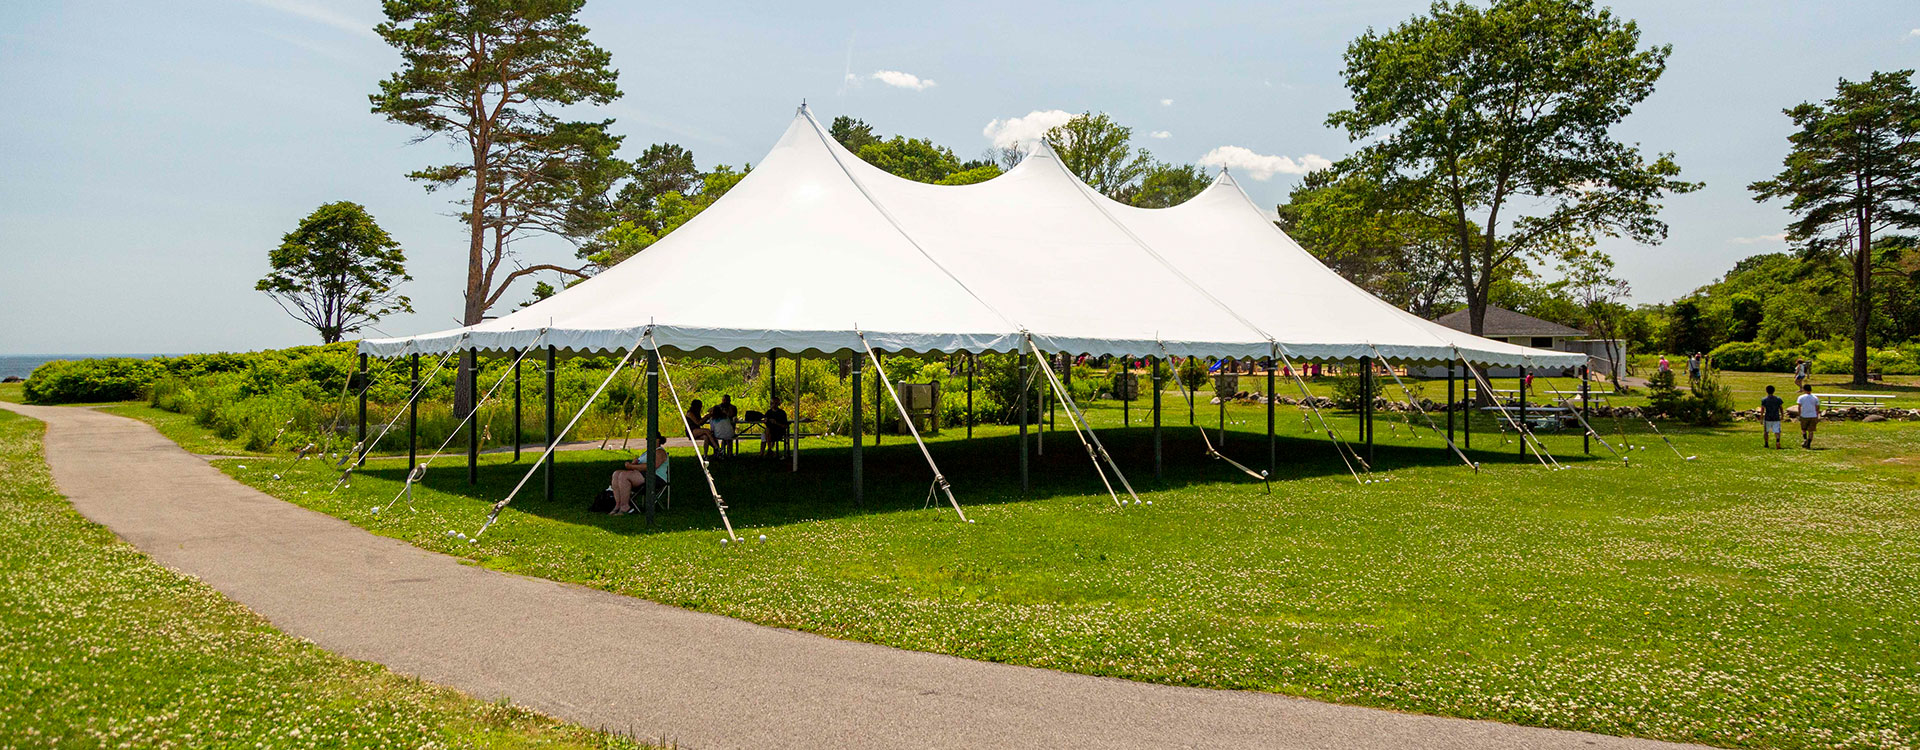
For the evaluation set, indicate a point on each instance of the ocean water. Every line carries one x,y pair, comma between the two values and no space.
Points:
21,365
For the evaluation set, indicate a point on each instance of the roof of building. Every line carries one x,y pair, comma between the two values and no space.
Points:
1504,322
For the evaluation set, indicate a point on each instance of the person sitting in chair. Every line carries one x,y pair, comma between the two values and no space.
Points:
773,428
697,425
720,421
633,475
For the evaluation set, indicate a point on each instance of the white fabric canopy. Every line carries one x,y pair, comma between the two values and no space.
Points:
816,244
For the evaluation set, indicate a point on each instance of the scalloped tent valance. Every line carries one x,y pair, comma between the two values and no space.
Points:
816,247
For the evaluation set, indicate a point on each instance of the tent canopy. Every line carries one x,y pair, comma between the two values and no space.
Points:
816,247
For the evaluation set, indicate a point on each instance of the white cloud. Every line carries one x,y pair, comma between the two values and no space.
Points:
1166,102
320,14
1261,166
1914,34
1765,239
1018,131
901,80
1160,134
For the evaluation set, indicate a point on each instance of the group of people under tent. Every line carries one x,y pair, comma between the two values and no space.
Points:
709,430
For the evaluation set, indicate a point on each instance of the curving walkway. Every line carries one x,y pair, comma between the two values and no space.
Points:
608,661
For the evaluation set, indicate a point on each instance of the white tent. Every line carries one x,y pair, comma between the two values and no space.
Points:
816,244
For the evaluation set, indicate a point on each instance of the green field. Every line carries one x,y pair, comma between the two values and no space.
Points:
101,647
1747,598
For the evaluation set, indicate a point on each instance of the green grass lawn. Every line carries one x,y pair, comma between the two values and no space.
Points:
1748,598
13,392
101,647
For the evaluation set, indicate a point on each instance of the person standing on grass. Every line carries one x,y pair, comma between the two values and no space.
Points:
1809,415
1665,366
1693,368
1770,413
1800,373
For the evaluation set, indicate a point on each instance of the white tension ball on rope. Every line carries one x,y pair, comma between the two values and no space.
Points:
763,537
276,476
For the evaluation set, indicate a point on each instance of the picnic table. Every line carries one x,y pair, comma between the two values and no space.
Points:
745,428
1828,400
1538,417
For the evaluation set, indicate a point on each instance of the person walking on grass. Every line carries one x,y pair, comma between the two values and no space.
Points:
1809,415
1770,413
1800,373
1665,366
1693,368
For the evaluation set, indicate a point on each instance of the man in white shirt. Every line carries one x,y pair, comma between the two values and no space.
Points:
1809,415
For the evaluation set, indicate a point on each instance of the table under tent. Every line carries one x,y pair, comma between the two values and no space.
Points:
849,261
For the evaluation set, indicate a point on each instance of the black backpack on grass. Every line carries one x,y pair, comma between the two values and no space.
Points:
603,502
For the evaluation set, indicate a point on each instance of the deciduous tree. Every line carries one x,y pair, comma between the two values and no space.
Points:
1494,125
337,271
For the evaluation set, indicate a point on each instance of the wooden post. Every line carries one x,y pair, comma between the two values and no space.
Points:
859,486
365,385
516,405
473,416
552,428
1159,471
1020,376
413,416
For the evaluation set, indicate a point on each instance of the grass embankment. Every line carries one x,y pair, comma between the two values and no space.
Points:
101,647
1748,598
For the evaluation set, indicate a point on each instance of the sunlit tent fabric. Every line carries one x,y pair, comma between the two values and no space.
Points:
816,244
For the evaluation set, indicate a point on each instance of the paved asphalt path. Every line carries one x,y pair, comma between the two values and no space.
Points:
627,665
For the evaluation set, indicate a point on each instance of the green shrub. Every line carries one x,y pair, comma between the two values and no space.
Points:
90,380
1782,360
1347,393
1745,356
1833,362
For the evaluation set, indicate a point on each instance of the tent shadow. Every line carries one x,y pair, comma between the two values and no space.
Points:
984,471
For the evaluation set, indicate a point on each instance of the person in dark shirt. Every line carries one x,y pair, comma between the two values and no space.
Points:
1770,413
773,428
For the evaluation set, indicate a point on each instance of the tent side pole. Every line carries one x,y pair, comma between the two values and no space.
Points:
413,416
973,367
552,425
1020,376
859,486
793,422
1273,447
1452,403
876,410
517,431
1522,386
365,385
1366,404
1586,438
1466,395
473,416
653,425
1126,404
1159,472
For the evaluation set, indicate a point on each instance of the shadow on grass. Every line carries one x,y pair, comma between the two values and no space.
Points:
984,471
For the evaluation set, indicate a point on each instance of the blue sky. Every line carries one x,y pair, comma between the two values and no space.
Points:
153,152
